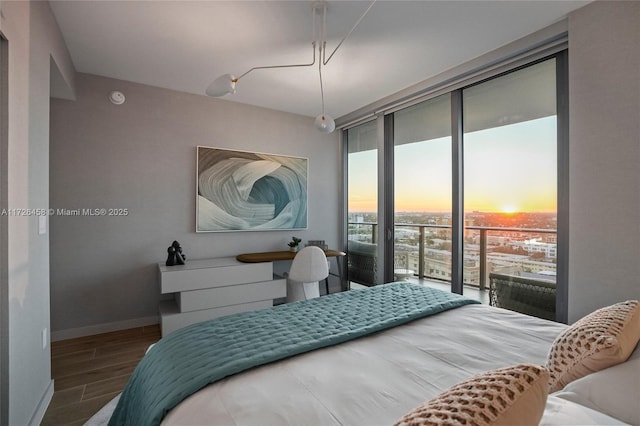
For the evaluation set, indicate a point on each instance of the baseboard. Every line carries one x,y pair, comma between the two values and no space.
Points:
37,417
72,333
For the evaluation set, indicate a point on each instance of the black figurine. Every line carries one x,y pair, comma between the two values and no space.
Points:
180,257
171,258
175,255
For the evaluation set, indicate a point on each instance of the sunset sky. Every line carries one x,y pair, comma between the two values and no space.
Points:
507,169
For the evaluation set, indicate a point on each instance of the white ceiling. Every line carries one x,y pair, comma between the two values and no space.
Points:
184,45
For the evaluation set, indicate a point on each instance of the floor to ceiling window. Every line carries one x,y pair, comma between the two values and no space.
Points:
475,174
510,174
362,203
422,189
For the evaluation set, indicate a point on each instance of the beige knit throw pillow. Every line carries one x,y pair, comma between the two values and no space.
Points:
507,397
600,340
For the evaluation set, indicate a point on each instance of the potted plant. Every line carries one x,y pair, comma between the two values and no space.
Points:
293,244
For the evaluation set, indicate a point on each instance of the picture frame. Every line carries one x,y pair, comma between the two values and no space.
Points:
250,191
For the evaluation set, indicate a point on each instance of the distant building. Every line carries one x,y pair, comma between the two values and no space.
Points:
535,246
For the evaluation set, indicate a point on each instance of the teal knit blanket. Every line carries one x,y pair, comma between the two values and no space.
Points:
189,359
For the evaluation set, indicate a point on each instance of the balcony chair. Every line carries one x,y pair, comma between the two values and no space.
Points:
525,295
307,269
361,262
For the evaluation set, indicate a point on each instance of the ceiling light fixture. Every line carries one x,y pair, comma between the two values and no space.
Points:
226,84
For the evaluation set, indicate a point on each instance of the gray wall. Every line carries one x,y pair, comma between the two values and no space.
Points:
141,156
604,85
34,43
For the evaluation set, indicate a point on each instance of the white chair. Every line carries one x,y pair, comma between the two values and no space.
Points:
307,269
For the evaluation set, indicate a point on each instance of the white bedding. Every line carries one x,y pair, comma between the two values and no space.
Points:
561,412
373,380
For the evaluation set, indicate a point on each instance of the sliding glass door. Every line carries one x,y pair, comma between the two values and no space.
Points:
422,190
510,176
362,204
471,183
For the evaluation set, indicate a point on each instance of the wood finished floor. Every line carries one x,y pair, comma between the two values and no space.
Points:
90,371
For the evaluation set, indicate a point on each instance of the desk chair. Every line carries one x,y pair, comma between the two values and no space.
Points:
307,269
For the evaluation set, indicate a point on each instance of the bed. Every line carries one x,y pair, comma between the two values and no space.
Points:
376,378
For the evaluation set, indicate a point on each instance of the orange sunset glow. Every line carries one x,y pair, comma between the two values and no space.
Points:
507,169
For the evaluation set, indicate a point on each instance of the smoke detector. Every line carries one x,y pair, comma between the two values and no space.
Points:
116,98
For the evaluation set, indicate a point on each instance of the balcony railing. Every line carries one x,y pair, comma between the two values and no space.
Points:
500,259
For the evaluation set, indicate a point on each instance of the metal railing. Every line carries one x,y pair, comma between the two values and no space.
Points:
483,230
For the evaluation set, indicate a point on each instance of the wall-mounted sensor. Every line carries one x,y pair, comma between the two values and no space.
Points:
116,97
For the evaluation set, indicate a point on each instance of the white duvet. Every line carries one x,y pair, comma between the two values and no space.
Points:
374,380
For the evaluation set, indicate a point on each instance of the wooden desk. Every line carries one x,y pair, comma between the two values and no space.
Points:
271,256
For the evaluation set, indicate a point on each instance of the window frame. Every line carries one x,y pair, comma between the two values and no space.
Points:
386,177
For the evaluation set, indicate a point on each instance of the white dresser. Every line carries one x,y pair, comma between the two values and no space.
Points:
210,288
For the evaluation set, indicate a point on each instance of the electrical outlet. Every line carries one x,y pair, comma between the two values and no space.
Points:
44,339
42,225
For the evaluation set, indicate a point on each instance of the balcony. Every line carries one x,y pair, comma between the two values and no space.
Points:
425,249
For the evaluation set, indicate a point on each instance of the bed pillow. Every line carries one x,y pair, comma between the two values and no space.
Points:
507,396
562,412
601,339
613,391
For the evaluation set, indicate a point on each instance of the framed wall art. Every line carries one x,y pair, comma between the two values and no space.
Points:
250,191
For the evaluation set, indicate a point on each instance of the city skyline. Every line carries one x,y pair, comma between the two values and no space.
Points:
520,244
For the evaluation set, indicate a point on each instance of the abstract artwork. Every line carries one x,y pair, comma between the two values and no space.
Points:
248,191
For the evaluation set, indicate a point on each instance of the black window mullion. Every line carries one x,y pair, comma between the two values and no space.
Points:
457,182
345,283
562,256
389,205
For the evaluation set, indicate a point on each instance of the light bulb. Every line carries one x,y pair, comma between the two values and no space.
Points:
325,123
222,85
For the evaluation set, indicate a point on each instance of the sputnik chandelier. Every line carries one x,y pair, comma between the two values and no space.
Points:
226,84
